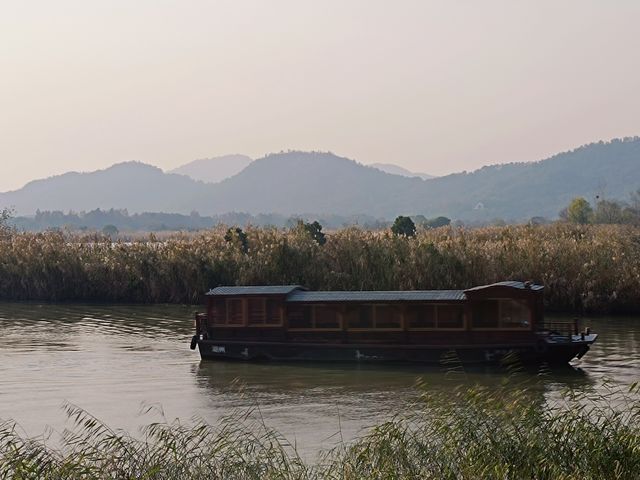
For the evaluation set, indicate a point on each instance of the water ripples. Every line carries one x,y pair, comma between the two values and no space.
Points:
113,360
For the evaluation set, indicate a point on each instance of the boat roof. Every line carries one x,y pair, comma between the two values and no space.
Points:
298,294
509,284
377,296
255,290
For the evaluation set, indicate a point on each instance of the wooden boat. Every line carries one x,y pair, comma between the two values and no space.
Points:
478,325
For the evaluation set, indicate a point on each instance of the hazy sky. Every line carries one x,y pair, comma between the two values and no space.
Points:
432,86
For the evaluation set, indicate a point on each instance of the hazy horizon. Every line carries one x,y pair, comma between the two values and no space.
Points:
378,165
434,87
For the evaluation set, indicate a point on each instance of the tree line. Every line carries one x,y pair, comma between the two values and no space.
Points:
605,211
111,221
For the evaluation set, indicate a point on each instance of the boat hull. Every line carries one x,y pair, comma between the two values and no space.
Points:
540,352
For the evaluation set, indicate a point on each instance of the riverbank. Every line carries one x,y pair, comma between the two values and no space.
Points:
497,433
586,269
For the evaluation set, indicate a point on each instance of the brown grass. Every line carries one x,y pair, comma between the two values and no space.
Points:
585,268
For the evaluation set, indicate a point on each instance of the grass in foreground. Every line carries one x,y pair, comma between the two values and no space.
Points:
477,433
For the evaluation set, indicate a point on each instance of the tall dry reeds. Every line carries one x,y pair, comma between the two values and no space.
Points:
585,268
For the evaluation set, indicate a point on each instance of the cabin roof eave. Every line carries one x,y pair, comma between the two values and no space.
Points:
299,294
377,296
512,285
261,290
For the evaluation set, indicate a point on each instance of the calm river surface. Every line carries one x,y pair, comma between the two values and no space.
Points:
114,360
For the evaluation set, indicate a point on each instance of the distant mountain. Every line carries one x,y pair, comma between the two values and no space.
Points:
131,185
316,182
214,170
323,183
398,170
517,191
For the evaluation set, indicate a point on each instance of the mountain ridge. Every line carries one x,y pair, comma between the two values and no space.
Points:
215,169
126,185
288,183
398,170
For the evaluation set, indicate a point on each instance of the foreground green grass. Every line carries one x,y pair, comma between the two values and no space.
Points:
476,433
585,268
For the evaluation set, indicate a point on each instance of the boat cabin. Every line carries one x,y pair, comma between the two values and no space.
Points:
290,323
293,313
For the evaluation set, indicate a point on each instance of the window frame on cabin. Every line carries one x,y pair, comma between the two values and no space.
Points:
528,326
218,311
312,309
373,308
243,312
396,309
266,305
436,306
277,304
261,311
357,311
327,307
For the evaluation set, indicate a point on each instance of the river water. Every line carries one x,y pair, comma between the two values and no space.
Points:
116,361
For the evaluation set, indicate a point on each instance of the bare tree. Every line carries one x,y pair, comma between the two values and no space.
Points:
5,228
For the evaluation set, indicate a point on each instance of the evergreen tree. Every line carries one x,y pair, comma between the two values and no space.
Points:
403,226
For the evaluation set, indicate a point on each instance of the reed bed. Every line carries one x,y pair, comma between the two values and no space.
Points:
586,268
500,433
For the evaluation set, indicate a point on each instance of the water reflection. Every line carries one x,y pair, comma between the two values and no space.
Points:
111,360
346,378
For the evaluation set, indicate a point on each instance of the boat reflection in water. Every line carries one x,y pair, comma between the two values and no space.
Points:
319,405
274,379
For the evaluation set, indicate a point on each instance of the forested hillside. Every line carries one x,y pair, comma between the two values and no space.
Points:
292,183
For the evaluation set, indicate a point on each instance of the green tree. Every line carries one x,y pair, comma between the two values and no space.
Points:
237,236
315,231
403,226
437,222
579,211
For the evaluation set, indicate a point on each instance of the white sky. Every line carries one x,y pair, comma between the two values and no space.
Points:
433,86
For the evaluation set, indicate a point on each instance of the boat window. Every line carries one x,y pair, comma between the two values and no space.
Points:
299,316
362,317
502,314
274,313
326,317
450,316
219,311
421,316
388,316
257,311
514,314
486,314
235,311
